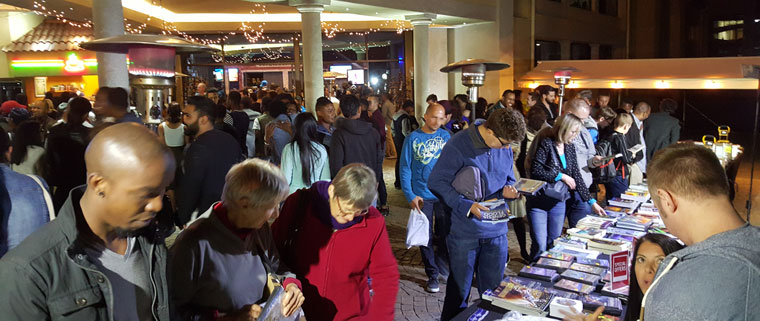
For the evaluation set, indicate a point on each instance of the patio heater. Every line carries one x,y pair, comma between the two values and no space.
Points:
150,61
562,78
753,71
473,75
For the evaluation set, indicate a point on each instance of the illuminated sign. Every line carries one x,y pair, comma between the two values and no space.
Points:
74,64
71,65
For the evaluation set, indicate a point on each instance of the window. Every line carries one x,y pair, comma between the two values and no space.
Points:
608,7
728,29
547,50
580,51
583,4
605,52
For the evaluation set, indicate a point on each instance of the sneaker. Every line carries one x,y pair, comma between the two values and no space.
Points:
385,210
432,285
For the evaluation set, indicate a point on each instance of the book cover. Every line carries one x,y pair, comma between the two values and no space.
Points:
624,210
538,273
513,294
588,233
577,252
611,305
553,264
581,277
635,196
627,232
570,242
558,256
617,201
576,287
593,262
529,186
563,293
498,211
619,293
619,237
588,269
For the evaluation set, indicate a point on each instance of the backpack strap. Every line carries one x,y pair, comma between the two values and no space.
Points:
46,195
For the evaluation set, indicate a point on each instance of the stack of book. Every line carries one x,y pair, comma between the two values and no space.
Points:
627,232
600,271
636,223
594,262
637,196
617,201
577,252
557,265
611,305
648,210
575,287
595,222
524,296
586,233
581,277
569,241
617,211
608,246
558,256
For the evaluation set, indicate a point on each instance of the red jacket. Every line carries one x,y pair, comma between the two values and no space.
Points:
333,266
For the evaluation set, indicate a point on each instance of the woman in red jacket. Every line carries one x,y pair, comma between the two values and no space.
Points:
333,241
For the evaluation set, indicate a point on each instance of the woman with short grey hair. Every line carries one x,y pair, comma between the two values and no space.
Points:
219,265
334,240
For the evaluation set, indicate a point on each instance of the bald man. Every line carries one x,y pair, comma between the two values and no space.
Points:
103,257
420,152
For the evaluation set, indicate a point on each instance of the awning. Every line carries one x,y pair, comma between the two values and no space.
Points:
676,73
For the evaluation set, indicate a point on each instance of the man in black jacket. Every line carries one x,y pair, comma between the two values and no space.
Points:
662,129
103,257
548,95
206,162
355,141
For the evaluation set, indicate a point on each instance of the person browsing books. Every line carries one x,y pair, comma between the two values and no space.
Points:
476,246
419,154
555,162
716,277
618,146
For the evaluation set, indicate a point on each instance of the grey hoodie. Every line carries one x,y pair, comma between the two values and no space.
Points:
716,279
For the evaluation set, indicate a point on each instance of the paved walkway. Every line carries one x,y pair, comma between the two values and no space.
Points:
413,302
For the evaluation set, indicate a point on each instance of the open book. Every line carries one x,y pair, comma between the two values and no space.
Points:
633,150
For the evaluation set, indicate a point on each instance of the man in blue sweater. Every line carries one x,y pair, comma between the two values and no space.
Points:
471,242
420,153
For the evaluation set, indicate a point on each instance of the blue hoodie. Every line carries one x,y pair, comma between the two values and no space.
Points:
467,148
417,159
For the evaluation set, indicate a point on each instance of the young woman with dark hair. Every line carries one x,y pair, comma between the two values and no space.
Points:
459,120
313,165
647,256
172,133
28,155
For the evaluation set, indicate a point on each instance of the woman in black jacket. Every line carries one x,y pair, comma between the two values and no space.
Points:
555,163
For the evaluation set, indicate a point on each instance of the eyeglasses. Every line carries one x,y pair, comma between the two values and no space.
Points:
345,213
502,142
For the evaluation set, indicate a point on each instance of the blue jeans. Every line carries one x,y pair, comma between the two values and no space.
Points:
484,257
435,257
547,216
576,209
616,186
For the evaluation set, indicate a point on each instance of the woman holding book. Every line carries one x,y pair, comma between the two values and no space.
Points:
555,163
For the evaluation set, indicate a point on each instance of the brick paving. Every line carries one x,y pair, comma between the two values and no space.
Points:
413,302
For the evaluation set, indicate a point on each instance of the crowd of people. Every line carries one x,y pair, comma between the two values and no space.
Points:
235,195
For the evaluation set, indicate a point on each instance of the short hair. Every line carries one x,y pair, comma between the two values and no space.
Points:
78,107
641,107
432,97
508,91
407,104
212,90
576,104
461,97
604,93
545,89
349,105
534,96
623,119
118,98
277,108
286,97
507,124
687,170
322,102
605,112
363,102
234,98
536,118
447,106
586,94
21,99
260,182
204,106
626,101
5,143
377,98
668,105
564,124
356,184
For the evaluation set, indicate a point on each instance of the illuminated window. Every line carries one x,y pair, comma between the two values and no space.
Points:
734,34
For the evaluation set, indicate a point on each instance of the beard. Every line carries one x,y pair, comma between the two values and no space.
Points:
125,233
192,129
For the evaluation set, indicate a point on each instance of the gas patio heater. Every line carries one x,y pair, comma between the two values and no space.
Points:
150,60
562,78
473,75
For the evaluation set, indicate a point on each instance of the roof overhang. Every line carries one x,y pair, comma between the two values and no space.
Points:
680,73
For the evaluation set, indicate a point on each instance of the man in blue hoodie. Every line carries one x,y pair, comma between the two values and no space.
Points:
471,242
420,153
717,277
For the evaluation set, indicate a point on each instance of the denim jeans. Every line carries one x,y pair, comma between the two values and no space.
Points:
547,216
488,256
576,209
616,186
435,257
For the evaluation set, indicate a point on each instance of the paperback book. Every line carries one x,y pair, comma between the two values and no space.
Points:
636,223
581,277
557,265
635,196
611,305
593,262
618,237
587,233
595,222
570,242
572,286
619,293
588,269
617,201
529,186
558,256
563,293
626,232
498,211
578,253
619,209
538,273
513,294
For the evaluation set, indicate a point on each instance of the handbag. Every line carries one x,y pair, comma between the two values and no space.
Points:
556,190
468,183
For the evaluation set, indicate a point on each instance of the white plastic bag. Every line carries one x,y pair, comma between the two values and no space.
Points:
417,229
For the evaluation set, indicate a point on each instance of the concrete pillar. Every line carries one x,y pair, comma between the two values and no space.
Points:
452,55
311,29
297,69
286,80
108,21
421,35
